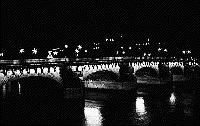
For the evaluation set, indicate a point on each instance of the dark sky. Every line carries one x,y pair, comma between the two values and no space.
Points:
48,23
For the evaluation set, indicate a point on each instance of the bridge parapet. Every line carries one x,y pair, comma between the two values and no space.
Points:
85,69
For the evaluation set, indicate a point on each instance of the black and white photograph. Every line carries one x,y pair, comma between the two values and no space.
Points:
100,62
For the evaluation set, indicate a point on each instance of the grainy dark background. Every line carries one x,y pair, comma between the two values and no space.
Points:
50,23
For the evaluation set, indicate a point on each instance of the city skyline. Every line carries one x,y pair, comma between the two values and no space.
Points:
51,24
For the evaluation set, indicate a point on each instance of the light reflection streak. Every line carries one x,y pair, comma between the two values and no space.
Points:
172,99
4,90
93,115
142,117
140,107
19,87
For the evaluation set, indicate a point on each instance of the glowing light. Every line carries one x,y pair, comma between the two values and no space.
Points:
117,52
32,71
39,70
25,72
85,51
148,40
55,53
76,50
93,115
123,52
79,47
159,49
113,40
34,51
9,73
146,43
17,72
183,52
4,90
19,87
1,54
49,55
172,99
45,70
129,47
51,70
165,50
122,47
106,39
140,107
145,54
66,46
21,51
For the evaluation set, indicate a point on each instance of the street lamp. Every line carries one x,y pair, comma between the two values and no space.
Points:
1,54
21,51
159,49
77,51
34,51
49,55
66,46
55,53
79,47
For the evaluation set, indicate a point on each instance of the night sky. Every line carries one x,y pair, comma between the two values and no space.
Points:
53,23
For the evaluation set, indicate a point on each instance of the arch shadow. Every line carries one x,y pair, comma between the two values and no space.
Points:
104,75
176,71
146,71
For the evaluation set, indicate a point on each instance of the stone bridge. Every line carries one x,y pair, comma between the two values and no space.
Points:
52,70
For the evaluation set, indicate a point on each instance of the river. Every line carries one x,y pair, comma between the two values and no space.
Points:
179,107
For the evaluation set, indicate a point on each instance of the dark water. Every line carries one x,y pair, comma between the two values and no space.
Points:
181,106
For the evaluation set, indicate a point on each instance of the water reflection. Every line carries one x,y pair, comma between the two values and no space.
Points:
172,102
93,115
172,99
142,117
140,107
19,87
176,108
4,91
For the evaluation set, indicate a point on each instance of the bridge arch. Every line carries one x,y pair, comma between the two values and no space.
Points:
149,71
102,75
176,70
5,79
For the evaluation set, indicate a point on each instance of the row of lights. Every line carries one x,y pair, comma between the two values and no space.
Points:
161,49
34,51
186,52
